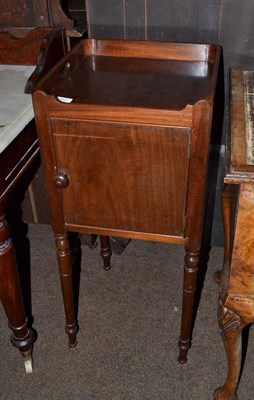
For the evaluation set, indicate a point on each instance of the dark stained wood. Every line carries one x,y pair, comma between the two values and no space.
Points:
29,47
58,15
152,50
10,291
140,165
53,48
20,42
65,272
33,14
118,82
236,305
36,209
15,160
19,14
40,13
105,251
146,202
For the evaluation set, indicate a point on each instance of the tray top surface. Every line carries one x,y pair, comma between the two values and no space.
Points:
134,82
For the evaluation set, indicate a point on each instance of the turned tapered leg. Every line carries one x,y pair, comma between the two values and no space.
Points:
189,289
225,210
105,251
231,328
65,271
11,297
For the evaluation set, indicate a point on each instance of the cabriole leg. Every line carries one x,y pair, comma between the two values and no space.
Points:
65,271
189,289
11,297
231,328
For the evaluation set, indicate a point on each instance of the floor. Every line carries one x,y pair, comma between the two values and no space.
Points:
129,321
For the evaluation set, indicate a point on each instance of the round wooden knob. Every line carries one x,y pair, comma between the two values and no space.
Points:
61,181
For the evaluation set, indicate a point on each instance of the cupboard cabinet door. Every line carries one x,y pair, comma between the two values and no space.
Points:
123,176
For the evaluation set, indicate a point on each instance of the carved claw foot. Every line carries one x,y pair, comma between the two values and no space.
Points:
221,393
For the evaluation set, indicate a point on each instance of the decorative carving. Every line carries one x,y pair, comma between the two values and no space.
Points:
228,320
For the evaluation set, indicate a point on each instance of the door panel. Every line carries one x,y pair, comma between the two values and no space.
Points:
123,176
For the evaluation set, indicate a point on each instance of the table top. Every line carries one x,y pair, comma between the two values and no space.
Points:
248,79
240,146
164,84
161,79
16,109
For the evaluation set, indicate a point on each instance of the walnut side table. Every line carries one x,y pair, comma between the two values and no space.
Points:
236,298
127,156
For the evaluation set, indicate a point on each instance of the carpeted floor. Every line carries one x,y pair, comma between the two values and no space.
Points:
129,321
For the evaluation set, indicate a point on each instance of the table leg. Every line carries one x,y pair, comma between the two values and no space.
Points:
105,251
189,289
65,271
236,306
11,296
225,210
231,328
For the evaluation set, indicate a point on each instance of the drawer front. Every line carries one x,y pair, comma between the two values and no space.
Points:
121,176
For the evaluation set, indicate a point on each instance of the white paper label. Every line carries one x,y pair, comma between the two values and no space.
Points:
64,99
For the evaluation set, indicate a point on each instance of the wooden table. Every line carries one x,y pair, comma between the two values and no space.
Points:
236,299
124,131
30,35
18,148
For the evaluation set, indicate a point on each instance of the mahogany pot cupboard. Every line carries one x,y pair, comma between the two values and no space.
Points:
124,130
